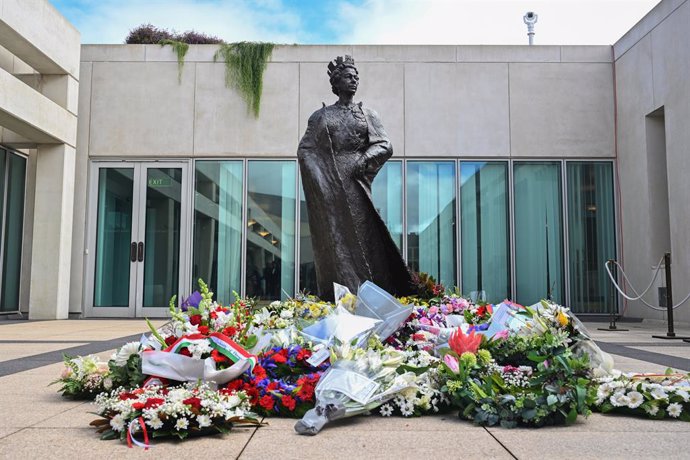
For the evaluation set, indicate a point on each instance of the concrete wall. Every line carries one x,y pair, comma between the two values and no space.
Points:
652,64
39,87
434,100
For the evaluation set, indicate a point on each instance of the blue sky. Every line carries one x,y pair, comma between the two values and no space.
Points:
561,22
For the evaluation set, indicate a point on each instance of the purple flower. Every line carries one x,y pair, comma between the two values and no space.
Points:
192,301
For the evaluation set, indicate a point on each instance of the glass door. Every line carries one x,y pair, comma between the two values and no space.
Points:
138,238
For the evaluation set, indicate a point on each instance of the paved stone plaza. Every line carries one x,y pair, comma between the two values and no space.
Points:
35,422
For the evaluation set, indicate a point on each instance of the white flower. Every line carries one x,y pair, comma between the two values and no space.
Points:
674,410
635,398
619,399
386,410
155,423
407,409
233,401
181,424
286,314
117,422
658,393
199,348
203,421
652,410
123,354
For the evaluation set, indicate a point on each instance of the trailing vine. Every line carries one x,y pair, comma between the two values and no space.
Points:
245,63
180,48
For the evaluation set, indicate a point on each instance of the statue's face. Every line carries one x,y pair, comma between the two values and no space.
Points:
348,81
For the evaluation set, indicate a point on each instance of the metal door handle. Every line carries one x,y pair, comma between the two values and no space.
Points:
140,252
133,252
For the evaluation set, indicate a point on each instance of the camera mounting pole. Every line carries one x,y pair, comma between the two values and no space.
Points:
530,18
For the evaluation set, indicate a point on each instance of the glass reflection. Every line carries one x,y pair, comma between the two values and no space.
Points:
591,235
270,265
431,240
113,237
218,227
162,235
484,229
14,225
539,270
386,192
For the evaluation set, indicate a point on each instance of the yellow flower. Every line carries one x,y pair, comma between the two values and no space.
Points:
562,319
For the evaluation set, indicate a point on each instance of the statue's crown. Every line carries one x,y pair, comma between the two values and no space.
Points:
339,62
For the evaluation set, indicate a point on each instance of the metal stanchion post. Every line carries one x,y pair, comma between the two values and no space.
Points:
612,316
669,301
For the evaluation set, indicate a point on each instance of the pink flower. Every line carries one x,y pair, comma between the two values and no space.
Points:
452,363
425,321
433,310
501,335
461,343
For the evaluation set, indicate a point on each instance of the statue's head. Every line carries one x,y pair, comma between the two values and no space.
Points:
343,75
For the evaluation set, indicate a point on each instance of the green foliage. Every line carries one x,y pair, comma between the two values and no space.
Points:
180,48
129,375
245,63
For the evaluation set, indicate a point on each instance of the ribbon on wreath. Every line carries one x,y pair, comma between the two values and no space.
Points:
130,436
170,364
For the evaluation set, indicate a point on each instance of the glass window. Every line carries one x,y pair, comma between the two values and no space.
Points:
113,237
218,227
14,225
270,265
485,240
431,219
591,234
538,232
386,193
307,269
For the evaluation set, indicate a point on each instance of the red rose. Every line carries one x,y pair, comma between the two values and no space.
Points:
266,402
138,405
170,340
481,311
153,402
235,385
229,331
280,359
303,354
259,372
213,315
185,352
289,402
219,357
203,330
195,320
253,394
194,402
126,395
306,392
272,386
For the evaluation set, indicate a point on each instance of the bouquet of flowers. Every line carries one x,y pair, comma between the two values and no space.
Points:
653,395
176,411
283,382
359,380
529,377
84,377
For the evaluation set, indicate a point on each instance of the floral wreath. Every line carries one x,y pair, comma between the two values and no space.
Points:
282,382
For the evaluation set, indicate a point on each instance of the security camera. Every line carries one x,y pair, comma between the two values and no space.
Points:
530,18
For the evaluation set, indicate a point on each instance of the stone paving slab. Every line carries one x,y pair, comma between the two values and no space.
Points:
682,351
347,442
565,444
78,443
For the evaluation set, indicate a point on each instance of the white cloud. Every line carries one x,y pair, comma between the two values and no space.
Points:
562,22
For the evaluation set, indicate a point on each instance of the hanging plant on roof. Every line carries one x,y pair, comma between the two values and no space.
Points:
245,63
180,49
